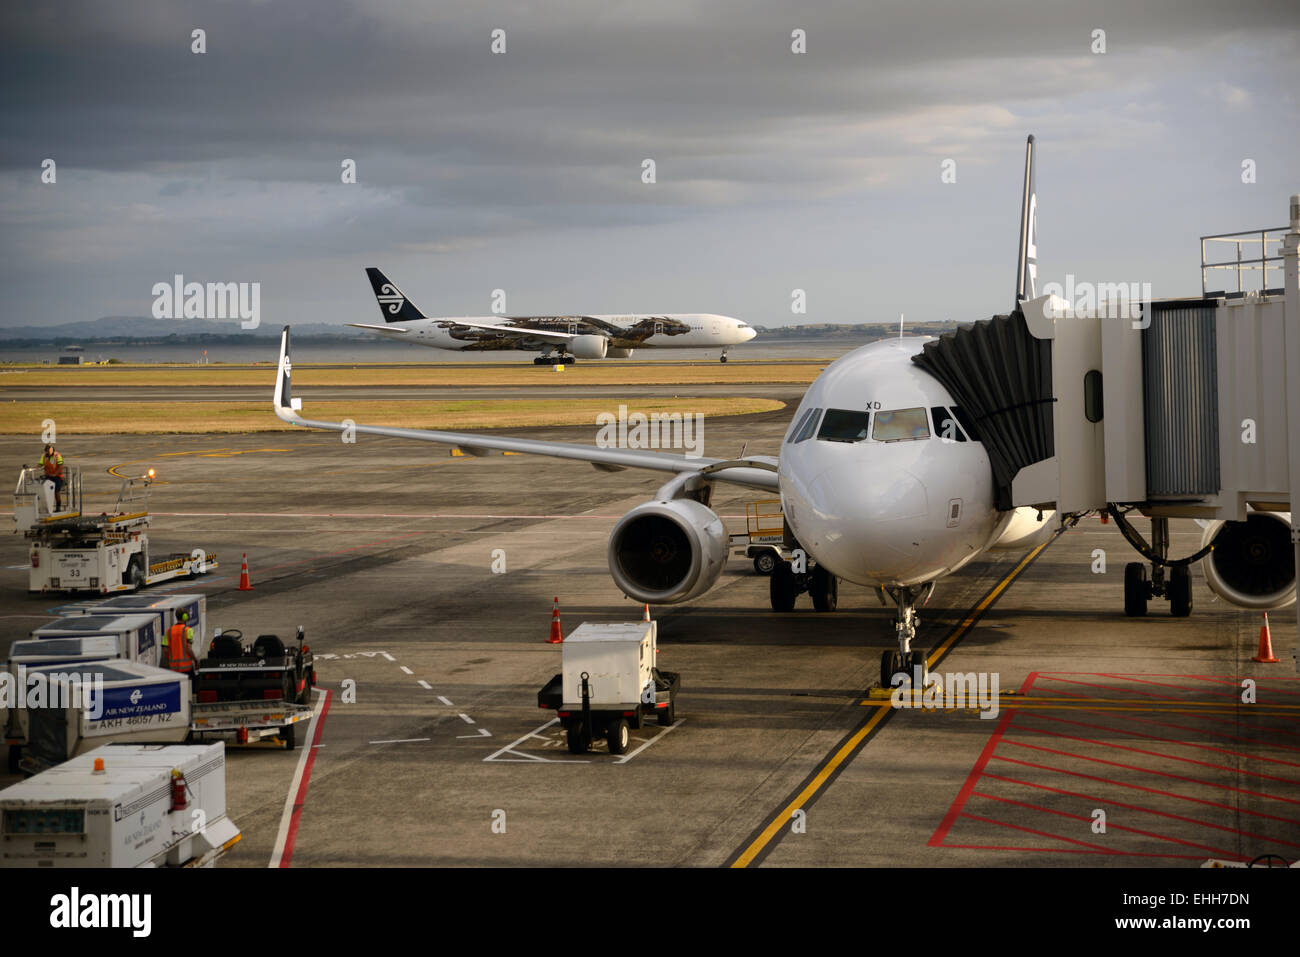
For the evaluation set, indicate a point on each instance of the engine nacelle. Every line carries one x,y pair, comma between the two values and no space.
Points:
588,347
618,353
1253,562
667,552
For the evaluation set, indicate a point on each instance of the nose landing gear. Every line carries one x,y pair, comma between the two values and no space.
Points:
723,357
905,660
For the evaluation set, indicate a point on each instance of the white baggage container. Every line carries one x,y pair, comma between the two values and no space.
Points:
617,659
167,607
136,703
139,634
132,813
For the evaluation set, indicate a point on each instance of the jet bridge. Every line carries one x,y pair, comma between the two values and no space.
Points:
1178,408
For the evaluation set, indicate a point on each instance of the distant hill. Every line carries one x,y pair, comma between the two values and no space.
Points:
145,329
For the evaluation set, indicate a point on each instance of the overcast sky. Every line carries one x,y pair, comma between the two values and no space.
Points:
523,170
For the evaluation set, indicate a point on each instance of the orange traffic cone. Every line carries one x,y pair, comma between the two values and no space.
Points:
244,583
646,616
557,636
1265,655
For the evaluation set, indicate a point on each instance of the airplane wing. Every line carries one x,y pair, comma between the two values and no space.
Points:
517,332
386,330
756,471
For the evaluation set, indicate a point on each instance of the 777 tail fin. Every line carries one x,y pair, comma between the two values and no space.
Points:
1027,262
392,301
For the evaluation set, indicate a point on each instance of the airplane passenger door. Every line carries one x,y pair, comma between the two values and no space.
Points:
659,328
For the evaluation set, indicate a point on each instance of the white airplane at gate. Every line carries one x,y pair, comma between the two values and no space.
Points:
883,479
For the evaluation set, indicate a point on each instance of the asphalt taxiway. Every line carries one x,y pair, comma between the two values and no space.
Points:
429,747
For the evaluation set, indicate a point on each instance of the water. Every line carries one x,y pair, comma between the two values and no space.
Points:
266,351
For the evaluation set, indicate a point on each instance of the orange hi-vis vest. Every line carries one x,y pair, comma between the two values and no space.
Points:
179,656
53,465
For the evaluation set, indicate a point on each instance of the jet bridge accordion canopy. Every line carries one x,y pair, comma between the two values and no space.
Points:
1001,376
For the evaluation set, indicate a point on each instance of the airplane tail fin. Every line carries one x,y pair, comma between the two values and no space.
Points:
392,301
286,406
1027,262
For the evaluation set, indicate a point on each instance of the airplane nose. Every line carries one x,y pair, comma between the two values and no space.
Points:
864,522
748,334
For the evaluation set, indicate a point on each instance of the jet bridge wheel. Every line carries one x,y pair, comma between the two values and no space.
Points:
1136,590
781,587
825,589
1180,591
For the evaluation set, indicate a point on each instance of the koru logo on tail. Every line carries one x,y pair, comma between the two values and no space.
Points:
390,297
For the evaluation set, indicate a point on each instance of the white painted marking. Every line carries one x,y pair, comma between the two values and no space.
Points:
425,685
277,852
406,670
399,741
445,701
388,656
632,754
466,718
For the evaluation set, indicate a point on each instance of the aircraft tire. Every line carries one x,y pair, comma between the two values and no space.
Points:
1135,590
781,588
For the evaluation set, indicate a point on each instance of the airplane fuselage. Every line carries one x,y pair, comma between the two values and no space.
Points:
673,331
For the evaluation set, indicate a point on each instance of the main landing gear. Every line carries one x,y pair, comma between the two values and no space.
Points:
549,360
904,660
1139,588
785,586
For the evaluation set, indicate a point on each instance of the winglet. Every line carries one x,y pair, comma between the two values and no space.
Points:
1027,254
285,404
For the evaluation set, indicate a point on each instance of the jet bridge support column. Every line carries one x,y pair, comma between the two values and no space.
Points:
1291,271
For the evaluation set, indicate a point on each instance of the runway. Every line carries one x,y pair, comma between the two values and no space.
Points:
433,750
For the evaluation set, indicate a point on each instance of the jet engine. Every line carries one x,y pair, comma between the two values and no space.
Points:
588,347
1253,562
667,552
618,353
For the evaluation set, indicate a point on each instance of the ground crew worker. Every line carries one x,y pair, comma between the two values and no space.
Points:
178,656
52,462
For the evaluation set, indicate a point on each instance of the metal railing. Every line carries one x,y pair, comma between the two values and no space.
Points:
1245,265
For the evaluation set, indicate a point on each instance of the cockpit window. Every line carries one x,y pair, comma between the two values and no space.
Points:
844,425
805,428
900,425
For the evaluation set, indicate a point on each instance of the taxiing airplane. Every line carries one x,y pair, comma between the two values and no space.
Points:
884,481
560,339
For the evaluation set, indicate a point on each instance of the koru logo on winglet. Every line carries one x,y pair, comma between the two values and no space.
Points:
390,297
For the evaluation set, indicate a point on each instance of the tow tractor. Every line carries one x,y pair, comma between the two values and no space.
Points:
105,553
253,691
764,537
610,684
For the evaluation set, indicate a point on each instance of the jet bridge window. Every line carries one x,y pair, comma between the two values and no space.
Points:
844,425
900,425
805,428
